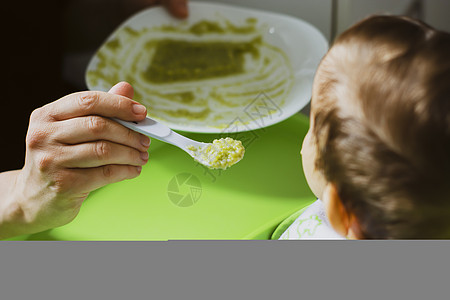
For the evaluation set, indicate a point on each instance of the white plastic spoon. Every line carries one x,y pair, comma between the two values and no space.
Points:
195,149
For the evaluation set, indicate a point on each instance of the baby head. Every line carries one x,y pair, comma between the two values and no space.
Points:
378,149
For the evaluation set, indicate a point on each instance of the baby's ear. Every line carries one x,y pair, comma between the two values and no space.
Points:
342,221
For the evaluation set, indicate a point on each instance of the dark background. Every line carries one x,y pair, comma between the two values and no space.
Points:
45,48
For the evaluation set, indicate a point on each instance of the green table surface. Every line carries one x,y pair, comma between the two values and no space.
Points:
246,201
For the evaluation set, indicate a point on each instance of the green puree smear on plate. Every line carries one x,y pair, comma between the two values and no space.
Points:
203,74
184,61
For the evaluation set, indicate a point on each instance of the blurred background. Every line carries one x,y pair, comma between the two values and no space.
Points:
47,45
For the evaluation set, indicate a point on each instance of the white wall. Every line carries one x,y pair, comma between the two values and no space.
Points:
437,13
434,12
351,11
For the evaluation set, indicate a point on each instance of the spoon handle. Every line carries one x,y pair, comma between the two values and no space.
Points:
147,127
159,131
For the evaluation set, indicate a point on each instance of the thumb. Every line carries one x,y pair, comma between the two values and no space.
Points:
123,89
178,8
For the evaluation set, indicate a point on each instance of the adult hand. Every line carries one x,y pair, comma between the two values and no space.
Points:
73,148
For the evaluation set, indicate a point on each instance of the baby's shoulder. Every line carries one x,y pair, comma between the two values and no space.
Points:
312,223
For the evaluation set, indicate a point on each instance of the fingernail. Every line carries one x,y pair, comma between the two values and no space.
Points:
139,169
138,109
144,156
145,141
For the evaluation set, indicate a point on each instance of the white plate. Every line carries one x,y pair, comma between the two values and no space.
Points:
302,44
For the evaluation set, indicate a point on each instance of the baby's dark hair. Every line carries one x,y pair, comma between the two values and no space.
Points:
382,126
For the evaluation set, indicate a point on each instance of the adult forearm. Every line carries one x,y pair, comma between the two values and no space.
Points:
12,221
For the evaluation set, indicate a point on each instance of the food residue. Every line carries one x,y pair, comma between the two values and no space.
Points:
220,154
202,74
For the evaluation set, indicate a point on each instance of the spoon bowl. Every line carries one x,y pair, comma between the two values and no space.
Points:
217,155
